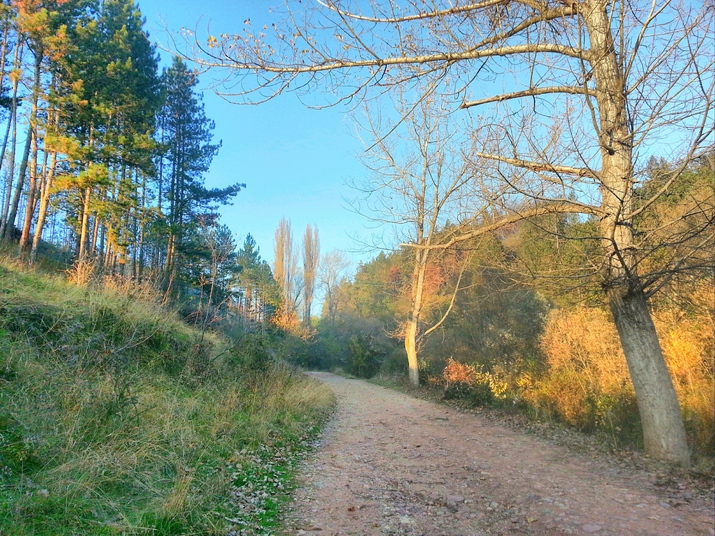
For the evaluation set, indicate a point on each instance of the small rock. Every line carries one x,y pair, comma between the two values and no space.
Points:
493,505
455,499
591,528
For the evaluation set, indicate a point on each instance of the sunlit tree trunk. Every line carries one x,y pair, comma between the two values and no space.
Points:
413,322
84,222
32,187
11,120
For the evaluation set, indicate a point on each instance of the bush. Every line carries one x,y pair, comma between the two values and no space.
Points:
587,383
250,352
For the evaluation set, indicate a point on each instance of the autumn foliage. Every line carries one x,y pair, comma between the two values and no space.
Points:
585,382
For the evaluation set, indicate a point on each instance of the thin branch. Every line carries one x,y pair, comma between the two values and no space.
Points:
451,302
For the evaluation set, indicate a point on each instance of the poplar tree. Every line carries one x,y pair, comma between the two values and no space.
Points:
311,258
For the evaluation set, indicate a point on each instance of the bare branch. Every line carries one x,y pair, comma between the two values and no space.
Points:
541,166
555,208
532,92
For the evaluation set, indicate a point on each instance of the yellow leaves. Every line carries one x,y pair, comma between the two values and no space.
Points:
456,373
15,75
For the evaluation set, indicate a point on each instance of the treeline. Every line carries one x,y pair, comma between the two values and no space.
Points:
524,322
103,152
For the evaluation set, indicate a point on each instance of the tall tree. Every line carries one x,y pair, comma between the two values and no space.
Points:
311,257
419,182
186,134
285,271
593,85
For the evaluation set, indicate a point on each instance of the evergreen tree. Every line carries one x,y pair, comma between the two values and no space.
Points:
186,133
258,292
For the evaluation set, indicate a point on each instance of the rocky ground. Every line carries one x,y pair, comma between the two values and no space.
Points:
392,464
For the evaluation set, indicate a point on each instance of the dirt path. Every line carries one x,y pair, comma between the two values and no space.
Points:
392,464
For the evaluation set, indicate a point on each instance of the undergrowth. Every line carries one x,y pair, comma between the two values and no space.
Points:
116,418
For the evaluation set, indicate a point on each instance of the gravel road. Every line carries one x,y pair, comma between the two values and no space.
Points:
392,464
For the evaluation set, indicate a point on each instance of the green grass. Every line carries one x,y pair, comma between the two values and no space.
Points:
116,418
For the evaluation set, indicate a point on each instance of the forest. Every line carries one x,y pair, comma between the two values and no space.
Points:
550,258
138,393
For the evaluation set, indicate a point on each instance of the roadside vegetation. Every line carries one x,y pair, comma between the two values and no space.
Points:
513,346
118,418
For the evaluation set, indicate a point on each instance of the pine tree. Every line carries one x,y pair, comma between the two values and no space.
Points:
186,133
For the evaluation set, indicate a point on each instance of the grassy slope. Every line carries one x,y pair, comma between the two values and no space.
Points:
115,418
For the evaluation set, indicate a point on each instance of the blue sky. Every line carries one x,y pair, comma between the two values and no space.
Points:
295,161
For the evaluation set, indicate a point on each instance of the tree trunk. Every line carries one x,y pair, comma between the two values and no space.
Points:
411,349
412,330
11,127
15,203
95,236
84,222
44,203
663,430
663,427
32,189
8,186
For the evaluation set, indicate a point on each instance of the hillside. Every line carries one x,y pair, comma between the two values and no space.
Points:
117,418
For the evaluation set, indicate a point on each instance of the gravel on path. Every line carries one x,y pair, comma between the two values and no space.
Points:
390,464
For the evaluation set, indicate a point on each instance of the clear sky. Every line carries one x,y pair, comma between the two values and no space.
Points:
295,161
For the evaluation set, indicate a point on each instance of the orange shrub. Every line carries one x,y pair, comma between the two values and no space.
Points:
458,373
587,383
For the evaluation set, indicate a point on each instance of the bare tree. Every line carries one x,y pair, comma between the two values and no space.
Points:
330,273
420,181
311,257
580,93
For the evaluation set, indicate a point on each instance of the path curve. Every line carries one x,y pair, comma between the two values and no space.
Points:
390,464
